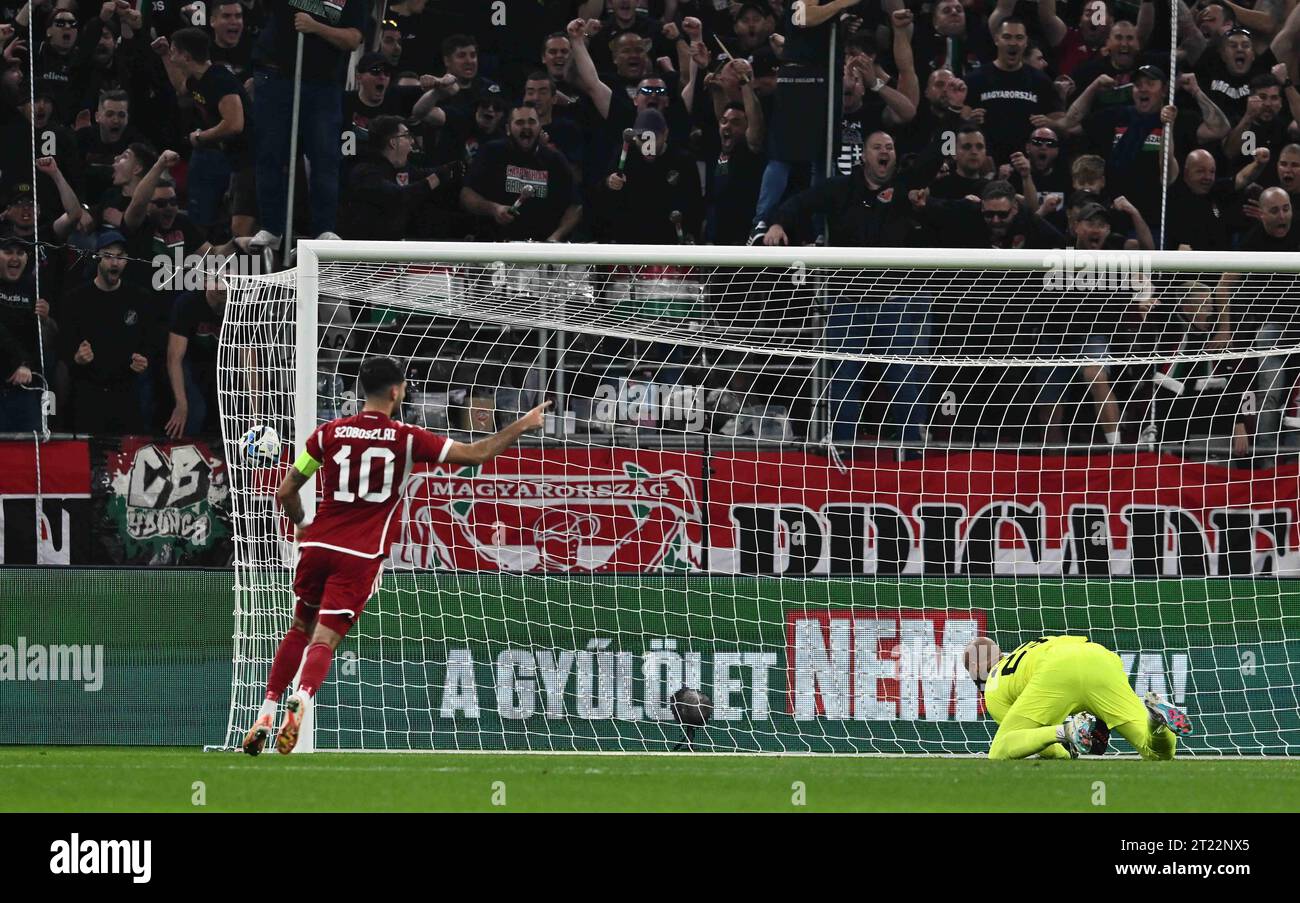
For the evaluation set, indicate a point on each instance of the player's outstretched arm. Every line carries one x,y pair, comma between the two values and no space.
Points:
486,449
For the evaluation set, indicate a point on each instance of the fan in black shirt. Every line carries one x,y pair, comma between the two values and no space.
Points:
867,208
101,143
660,179
460,58
953,39
220,147
624,18
1226,72
525,189
997,221
104,344
372,97
232,43
20,407
1201,206
970,167
733,181
1260,298
1051,177
1010,92
383,194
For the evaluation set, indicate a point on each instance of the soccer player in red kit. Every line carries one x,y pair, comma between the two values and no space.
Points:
364,461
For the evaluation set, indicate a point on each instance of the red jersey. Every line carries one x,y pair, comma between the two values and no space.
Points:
364,462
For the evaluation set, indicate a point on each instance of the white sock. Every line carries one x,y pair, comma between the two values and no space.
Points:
267,710
1112,438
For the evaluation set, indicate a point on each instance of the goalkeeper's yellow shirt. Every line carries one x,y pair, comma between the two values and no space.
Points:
1010,676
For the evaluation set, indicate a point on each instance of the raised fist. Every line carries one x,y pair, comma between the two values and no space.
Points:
700,54
956,92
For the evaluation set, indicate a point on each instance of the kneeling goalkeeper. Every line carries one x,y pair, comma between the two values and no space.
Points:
1061,696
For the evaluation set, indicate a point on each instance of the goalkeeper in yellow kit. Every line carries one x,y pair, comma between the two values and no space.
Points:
1061,696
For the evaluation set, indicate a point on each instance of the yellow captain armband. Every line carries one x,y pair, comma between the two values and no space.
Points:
306,464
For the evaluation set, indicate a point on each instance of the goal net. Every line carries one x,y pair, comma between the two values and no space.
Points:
797,480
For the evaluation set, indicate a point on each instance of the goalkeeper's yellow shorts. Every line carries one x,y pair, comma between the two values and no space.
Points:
1083,678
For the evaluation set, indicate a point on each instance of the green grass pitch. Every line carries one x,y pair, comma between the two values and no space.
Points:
125,779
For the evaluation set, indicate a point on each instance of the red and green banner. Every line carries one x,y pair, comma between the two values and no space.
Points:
790,513
621,510
161,502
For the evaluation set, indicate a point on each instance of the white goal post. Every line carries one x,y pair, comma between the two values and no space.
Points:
797,480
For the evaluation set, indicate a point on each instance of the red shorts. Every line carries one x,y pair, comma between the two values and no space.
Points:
333,587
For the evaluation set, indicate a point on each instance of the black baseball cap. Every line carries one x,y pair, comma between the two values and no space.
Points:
20,193
650,120
373,59
9,238
111,237
1154,73
491,95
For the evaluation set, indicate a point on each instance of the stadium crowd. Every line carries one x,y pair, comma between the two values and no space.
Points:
161,128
